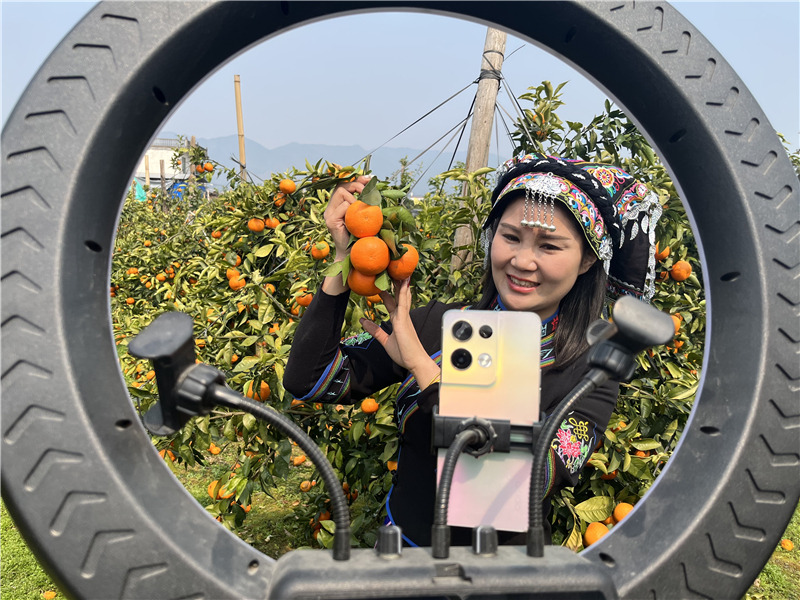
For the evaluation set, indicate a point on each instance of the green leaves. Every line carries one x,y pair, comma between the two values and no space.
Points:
598,508
370,195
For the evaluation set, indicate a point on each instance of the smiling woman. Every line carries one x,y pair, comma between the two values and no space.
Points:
549,238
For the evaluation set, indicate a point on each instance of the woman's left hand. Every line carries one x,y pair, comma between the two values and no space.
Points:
403,345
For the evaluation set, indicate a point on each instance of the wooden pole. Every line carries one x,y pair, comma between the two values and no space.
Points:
163,186
237,87
480,135
192,144
147,171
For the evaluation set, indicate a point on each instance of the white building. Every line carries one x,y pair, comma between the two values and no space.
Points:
161,149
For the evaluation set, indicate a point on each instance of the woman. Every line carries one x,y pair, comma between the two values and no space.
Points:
559,235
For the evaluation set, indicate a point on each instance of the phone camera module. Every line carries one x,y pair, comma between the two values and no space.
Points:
462,331
485,331
461,359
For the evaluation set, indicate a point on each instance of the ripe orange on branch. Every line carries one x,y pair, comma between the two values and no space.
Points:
287,186
593,533
681,270
320,250
403,267
261,395
621,511
369,255
369,406
662,254
363,285
236,283
256,225
305,298
221,494
363,220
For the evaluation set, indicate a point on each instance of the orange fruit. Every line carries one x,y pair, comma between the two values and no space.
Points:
280,200
161,277
150,375
305,486
593,533
256,225
680,270
148,243
270,288
222,493
208,167
620,425
305,299
216,235
363,220
263,391
375,299
677,322
609,476
663,254
642,454
369,255
237,283
787,545
298,460
272,222
363,285
164,453
130,300
287,186
622,510
345,487
214,449
319,254
49,595
234,358
231,273
369,406
404,267
609,521
199,168
295,310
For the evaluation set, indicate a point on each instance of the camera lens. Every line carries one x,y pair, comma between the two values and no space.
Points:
485,331
461,359
462,331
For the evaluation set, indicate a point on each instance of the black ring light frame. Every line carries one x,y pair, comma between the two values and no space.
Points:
79,475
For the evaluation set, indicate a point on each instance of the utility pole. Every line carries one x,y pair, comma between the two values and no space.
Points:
480,134
237,87
163,186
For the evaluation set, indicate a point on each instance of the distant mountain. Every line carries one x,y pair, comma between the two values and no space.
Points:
262,161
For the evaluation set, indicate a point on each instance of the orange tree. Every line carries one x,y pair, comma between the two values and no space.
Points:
245,264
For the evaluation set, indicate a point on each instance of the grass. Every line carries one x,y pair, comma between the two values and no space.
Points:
273,528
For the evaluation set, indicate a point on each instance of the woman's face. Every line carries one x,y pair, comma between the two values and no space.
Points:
534,269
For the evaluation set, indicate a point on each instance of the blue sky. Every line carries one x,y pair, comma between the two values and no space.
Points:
395,67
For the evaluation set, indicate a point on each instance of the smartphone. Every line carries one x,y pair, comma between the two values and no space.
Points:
490,369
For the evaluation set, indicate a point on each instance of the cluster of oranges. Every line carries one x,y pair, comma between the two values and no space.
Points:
680,270
369,255
596,530
204,168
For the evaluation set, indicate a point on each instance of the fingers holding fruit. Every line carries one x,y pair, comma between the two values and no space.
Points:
335,212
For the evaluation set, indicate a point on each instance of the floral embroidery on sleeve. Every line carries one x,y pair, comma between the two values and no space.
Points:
573,443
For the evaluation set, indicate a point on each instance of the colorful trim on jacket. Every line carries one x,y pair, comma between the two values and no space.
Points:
331,375
409,383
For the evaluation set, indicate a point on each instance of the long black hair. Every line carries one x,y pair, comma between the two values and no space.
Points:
582,304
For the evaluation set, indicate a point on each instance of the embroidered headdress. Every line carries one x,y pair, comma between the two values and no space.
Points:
617,214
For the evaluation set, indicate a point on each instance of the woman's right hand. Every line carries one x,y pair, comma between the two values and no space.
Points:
340,201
